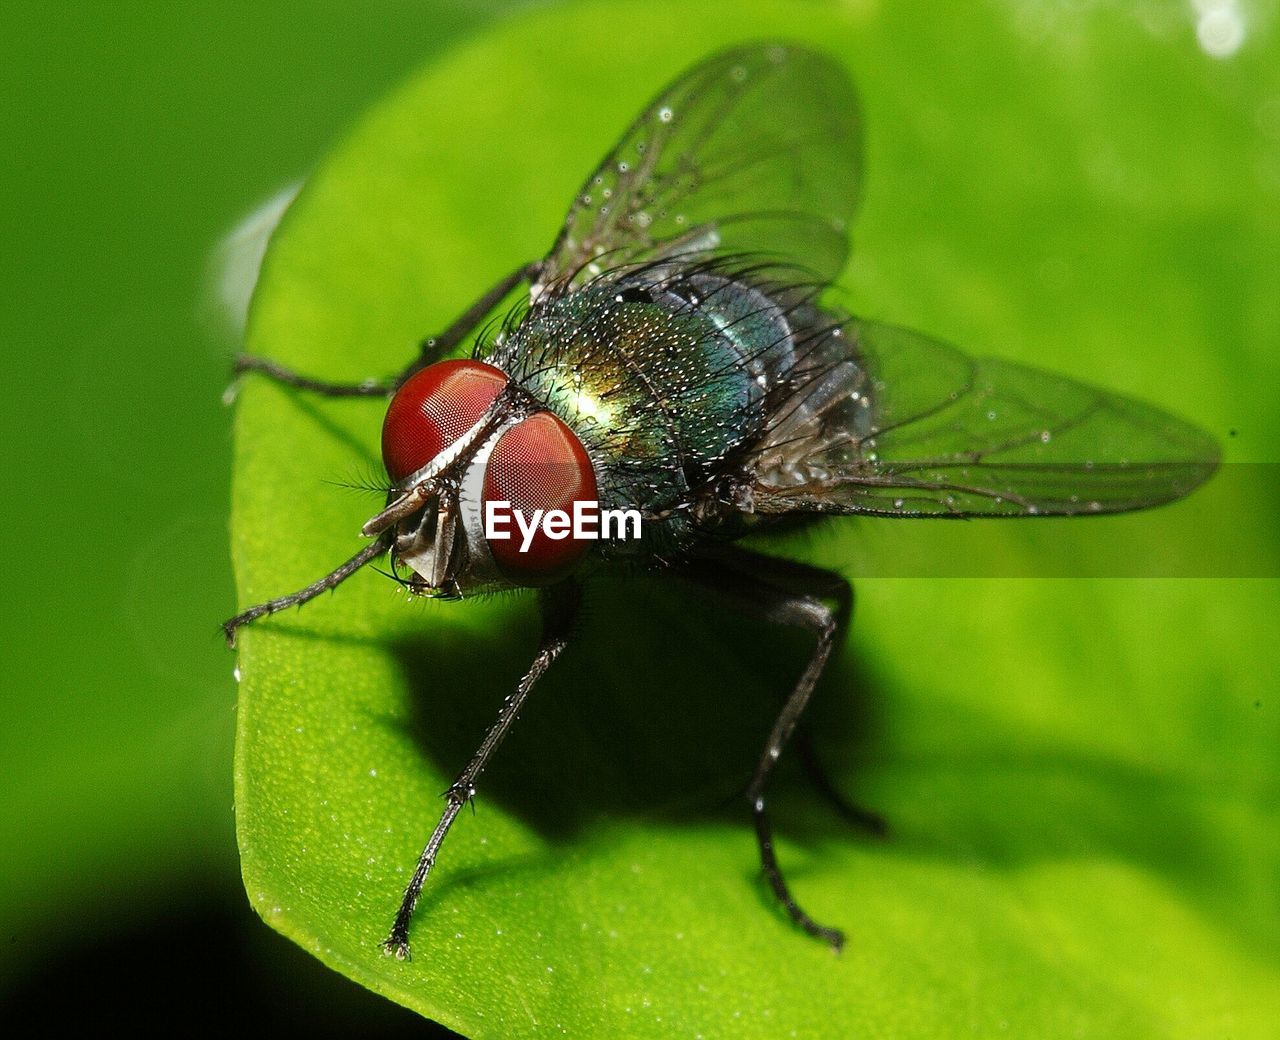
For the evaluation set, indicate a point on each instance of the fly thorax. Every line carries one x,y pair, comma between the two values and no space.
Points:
662,382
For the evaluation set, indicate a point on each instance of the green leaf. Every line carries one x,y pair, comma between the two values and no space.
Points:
1080,775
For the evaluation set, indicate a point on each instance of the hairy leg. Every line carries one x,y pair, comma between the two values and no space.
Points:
559,608
787,594
295,599
432,349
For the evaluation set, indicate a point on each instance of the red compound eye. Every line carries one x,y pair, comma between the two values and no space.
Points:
539,464
433,409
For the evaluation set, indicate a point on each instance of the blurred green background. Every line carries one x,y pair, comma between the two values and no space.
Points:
137,134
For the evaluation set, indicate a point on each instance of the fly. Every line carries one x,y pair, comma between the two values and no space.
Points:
674,358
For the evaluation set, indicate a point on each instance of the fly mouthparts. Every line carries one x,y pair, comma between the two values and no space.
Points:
408,503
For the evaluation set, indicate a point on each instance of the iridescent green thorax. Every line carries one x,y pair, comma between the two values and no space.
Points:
662,383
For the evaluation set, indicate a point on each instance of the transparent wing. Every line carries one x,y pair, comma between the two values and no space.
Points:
895,423
755,150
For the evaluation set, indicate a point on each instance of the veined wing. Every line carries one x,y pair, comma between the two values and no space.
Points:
754,151
908,426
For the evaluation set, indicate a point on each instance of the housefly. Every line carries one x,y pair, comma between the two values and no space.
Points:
674,357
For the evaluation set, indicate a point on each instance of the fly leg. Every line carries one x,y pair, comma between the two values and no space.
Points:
559,607
786,594
295,599
806,579
435,347
281,374
430,350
